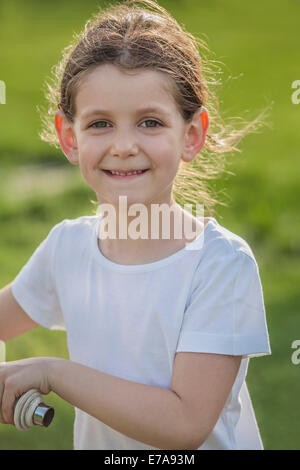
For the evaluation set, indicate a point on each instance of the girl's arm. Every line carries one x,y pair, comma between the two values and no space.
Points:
149,414
14,321
178,418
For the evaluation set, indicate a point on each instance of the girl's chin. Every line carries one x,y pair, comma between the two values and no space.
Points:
123,201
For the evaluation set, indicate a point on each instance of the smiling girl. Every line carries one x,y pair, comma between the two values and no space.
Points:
160,330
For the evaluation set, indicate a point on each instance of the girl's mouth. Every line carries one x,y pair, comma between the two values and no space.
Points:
124,175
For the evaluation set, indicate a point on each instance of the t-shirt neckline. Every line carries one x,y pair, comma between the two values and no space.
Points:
196,244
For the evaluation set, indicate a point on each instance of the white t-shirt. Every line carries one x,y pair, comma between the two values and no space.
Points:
130,320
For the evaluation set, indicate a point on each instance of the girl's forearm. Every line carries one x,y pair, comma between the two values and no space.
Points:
149,414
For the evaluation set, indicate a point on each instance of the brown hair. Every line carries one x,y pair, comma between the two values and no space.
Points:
142,34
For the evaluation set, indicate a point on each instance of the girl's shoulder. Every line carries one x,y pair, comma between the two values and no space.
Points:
83,222
220,241
71,230
227,271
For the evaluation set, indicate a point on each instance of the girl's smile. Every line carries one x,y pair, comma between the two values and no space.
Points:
124,174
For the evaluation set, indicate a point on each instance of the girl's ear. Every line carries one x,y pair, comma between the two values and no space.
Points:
66,137
195,134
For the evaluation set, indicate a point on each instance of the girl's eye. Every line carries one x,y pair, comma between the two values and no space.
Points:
153,123
102,124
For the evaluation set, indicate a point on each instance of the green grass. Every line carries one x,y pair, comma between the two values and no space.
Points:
258,42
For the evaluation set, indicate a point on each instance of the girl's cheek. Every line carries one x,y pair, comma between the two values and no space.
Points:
156,148
89,149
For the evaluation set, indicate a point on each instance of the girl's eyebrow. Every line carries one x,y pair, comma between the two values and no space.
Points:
150,109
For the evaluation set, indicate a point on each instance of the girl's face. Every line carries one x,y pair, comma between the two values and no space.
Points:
126,122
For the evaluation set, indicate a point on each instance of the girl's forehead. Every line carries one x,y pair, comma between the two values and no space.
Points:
112,85
110,72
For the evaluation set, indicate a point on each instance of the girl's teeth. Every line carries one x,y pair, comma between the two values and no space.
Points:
126,174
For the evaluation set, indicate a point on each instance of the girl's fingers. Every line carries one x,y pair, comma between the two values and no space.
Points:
1,390
8,402
1,394
18,377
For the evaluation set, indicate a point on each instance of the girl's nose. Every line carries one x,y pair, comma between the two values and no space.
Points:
124,145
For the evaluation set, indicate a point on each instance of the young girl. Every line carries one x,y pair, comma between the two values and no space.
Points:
160,328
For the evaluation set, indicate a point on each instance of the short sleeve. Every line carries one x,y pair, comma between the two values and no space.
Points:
226,313
34,286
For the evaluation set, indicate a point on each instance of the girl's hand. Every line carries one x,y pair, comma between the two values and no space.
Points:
16,378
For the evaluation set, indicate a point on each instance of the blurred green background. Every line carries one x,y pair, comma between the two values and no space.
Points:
258,42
